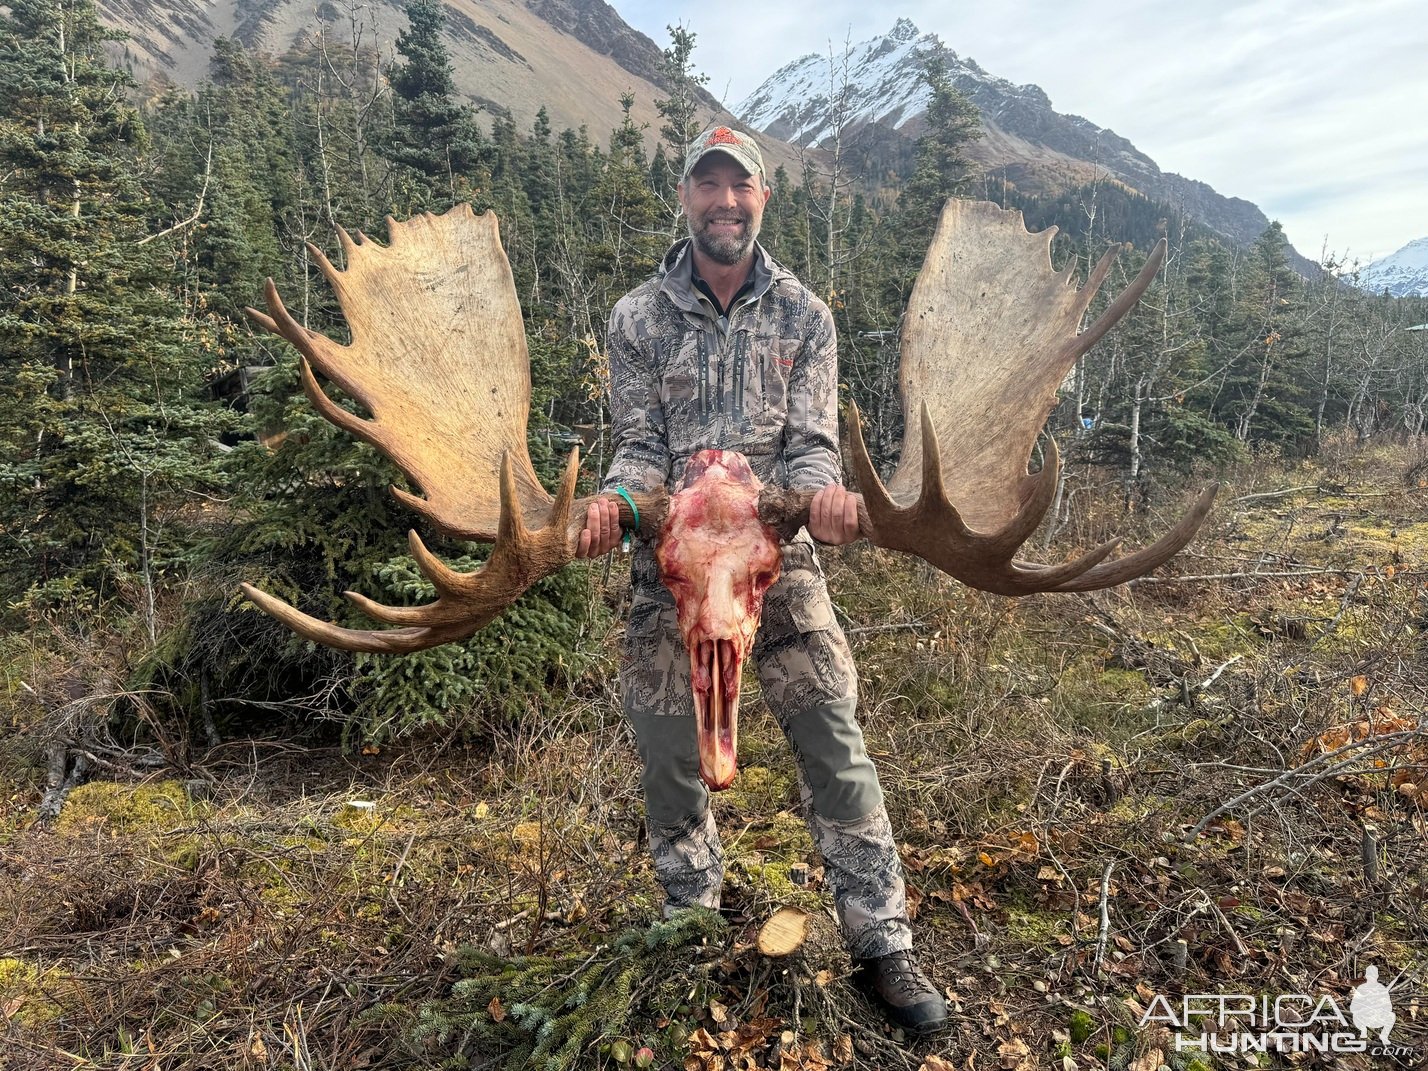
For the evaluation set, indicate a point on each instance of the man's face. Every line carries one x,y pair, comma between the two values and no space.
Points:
724,205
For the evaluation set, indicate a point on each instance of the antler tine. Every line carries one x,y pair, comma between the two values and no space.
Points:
438,358
1148,558
281,323
391,641
933,529
465,602
1123,303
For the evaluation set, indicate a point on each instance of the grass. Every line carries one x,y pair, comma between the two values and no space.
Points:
240,913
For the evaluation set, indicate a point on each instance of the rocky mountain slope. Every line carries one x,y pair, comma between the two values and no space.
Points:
575,57
1403,274
578,57
1028,141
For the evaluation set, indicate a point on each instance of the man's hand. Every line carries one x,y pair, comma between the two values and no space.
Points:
833,516
602,529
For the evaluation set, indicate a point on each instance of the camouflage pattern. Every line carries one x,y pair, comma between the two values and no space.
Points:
762,380
805,670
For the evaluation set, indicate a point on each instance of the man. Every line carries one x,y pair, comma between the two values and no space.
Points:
722,348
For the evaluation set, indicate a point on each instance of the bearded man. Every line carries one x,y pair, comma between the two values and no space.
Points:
725,349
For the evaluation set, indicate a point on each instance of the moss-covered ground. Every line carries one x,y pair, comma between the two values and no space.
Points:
1062,774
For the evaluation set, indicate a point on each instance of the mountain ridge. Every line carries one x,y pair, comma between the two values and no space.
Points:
576,58
1025,138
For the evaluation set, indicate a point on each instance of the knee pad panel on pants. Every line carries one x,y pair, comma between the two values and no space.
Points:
670,752
836,769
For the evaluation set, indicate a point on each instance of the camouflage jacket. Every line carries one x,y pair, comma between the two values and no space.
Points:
762,380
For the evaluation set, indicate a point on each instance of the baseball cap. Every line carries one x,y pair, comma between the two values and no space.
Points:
734,143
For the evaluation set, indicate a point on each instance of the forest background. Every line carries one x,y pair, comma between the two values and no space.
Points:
155,447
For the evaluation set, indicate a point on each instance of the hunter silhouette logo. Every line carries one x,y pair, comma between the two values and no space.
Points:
1371,1007
1247,1023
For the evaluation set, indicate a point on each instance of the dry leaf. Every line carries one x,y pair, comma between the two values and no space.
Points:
702,1043
914,900
1358,685
843,1050
936,1063
1012,1054
496,1010
1151,1061
813,1058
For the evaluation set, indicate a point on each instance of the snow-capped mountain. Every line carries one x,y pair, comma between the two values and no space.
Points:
1404,274
793,105
885,94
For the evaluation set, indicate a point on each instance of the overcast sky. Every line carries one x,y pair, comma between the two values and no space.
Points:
1312,109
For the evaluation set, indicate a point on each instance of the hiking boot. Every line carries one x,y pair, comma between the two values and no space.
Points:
909,999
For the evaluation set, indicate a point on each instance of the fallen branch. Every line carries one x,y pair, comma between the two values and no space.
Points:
1238,576
1362,749
1205,685
1275,494
1105,916
862,629
1349,593
60,784
1311,487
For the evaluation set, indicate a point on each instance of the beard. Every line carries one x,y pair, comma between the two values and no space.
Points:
727,249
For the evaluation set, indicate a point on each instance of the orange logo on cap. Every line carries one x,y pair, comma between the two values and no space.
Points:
721,136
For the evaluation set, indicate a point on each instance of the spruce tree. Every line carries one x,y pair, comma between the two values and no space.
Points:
435,140
940,167
680,111
101,432
626,242
1264,394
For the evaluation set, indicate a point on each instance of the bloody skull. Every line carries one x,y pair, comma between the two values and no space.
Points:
718,559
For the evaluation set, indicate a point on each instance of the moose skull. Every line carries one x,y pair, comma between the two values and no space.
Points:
718,559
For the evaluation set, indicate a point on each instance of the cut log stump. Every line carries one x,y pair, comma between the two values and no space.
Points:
784,932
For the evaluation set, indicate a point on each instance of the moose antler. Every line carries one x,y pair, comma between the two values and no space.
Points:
989,335
438,357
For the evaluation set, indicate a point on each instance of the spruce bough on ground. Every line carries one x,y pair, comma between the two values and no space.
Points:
546,1011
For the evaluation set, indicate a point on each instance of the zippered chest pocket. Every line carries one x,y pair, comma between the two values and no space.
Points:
771,359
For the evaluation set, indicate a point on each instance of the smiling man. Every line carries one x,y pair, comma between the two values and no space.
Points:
724,349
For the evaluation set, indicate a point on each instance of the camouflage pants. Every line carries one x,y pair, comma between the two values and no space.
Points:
806,671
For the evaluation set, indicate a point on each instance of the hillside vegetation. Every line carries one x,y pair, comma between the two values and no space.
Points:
1228,755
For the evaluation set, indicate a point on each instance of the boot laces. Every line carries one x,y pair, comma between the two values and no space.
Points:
901,972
